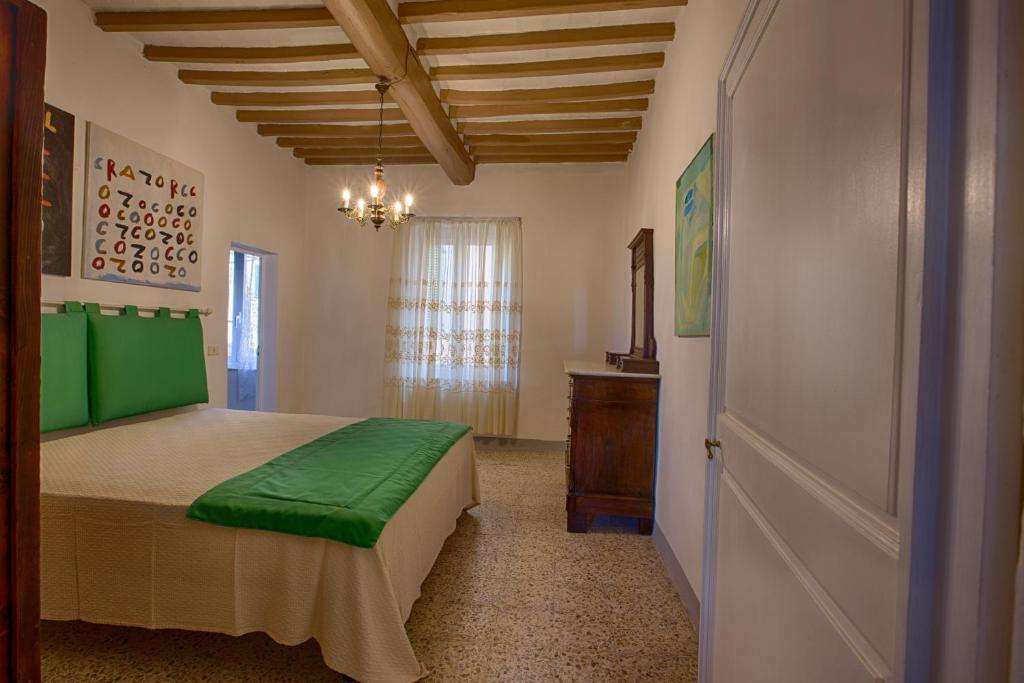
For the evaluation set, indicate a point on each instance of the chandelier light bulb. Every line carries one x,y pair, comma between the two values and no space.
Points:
374,190
346,197
408,202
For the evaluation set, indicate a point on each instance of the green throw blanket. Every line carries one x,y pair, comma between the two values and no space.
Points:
343,486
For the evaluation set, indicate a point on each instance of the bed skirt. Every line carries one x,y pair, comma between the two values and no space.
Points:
127,563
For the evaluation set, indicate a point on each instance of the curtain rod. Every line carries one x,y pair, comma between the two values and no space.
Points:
468,218
148,309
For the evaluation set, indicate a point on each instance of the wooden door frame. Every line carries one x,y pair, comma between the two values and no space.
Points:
20,285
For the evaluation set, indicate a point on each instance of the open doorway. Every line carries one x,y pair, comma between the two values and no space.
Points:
250,329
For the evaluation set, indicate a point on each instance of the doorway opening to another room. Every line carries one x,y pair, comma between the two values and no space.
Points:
252,324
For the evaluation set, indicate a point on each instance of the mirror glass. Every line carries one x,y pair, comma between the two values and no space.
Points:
638,309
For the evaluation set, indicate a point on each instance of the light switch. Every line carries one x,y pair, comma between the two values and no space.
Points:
212,350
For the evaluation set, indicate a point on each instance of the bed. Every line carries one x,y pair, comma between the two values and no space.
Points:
117,547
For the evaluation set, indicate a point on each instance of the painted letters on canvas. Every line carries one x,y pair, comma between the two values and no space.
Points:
694,217
143,215
58,169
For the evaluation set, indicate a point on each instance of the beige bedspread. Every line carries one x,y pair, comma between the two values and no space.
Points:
117,548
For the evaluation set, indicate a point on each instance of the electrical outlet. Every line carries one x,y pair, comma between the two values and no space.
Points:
212,350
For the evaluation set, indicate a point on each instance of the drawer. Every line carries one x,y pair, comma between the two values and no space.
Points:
588,388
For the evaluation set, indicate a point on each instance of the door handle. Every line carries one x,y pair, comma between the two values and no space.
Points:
710,445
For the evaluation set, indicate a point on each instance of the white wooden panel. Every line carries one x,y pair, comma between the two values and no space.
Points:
770,625
815,222
852,554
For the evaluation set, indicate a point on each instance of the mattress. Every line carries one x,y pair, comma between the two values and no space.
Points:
118,549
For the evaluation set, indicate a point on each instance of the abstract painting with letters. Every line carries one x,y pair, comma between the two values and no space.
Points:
143,215
694,217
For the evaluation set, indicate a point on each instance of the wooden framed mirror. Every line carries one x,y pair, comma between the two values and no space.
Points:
643,350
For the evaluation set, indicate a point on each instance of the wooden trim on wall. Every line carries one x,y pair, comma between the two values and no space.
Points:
23,60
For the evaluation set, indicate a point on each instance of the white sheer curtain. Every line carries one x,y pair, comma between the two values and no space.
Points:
454,322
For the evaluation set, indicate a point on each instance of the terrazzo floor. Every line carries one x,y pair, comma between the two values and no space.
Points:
513,597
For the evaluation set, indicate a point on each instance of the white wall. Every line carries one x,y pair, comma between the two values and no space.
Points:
253,189
567,211
681,118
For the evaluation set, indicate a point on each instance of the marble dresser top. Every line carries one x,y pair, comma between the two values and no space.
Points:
588,367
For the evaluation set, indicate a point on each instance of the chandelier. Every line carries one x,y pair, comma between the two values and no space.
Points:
377,211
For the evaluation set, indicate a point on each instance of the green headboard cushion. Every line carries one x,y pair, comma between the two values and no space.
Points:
138,365
63,392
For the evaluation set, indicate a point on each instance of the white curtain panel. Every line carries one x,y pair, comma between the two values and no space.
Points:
455,321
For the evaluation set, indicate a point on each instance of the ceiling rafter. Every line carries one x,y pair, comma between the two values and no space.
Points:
285,54
542,40
574,93
374,29
545,159
277,78
327,141
478,111
557,150
364,160
303,152
555,67
466,10
214,20
332,130
527,139
550,125
295,99
317,115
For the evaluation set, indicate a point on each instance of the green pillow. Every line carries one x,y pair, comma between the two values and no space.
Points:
63,393
138,365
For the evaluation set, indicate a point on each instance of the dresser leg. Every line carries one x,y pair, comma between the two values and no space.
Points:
577,522
646,526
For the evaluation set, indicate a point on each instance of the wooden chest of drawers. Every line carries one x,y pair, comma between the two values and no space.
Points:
610,454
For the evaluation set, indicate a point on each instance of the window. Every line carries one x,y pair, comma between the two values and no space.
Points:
454,321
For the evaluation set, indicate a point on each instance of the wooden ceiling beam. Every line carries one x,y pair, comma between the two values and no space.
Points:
367,160
392,142
482,111
527,140
214,20
331,130
549,150
467,10
545,40
574,93
316,115
553,159
549,125
556,67
288,54
295,99
278,78
304,152
380,39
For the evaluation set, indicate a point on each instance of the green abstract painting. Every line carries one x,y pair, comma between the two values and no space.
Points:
694,217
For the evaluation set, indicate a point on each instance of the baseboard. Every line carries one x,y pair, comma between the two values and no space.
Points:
517,444
678,577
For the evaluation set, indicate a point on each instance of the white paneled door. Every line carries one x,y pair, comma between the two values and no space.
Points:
817,311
